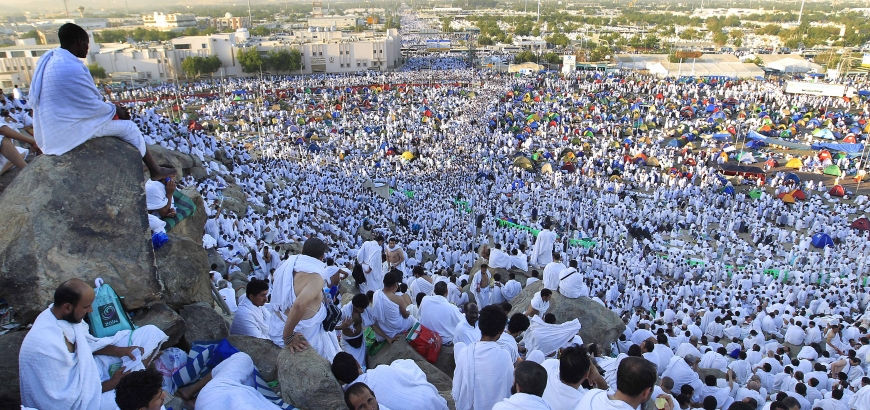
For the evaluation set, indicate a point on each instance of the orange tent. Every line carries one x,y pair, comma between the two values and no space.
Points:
798,194
787,198
824,154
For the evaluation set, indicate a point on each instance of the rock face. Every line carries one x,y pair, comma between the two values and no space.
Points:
184,163
166,320
600,325
264,353
446,362
402,350
203,323
10,392
307,382
182,263
235,200
79,215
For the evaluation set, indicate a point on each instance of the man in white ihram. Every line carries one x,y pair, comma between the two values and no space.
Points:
369,256
297,303
542,252
63,367
68,109
439,315
251,318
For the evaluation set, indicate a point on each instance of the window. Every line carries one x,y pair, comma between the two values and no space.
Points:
16,53
357,64
37,53
204,45
182,46
2,54
320,53
381,51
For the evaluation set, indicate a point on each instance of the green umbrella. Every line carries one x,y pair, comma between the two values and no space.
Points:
755,194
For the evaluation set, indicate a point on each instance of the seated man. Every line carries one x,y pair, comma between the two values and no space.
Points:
10,154
439,315
63,366
496,258
422,283
251,318
530,381
572,283
357,317
390,311
635,382
550,337
158,197
684,371
68,108
140,390
511,288
230,385
540,303
401,384
517,324
360,397
228,295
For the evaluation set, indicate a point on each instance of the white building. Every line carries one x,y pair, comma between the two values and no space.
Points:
339,22
169,21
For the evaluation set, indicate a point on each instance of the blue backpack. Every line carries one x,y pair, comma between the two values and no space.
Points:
108,316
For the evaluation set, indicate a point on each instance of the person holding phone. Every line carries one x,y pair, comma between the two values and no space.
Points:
158,197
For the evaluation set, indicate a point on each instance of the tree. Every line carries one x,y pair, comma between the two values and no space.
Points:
260,31
196,66
720,38
553,58
484,40
283,60
558,39
250,60
650,42
97,71
690,34
536,31
524,56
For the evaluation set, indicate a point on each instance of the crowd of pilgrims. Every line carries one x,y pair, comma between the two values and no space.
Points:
674,254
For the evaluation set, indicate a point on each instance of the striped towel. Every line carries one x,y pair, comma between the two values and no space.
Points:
184,207
204,356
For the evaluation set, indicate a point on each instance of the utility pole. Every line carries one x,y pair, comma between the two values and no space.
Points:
801,13
250,17
66,8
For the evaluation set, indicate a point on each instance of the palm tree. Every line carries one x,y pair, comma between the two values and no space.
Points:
81,10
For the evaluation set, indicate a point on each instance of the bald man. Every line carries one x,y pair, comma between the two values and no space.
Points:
63,366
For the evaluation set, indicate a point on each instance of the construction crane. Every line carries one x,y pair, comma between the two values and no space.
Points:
66,7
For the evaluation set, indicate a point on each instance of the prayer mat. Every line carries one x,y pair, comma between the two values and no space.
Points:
184,207
373,346
204,356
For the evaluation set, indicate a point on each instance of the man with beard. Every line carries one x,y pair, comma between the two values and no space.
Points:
63,366
635,381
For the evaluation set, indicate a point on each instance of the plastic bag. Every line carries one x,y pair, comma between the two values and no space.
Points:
169,362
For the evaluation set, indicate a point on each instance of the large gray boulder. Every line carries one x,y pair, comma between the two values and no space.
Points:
402,350
263,351
203,323
600,325
307,381
175,159
78,215
446,362
235,200
165,319
10,391
182,263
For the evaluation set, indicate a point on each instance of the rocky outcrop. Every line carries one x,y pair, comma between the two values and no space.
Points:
402,350
165,319
446,362
79,215
262,351
235,200
203,323
10,392
184,163
307,382
182,263
600,325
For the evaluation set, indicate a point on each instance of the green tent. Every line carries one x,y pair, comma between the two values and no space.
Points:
523,163
833,170
755,194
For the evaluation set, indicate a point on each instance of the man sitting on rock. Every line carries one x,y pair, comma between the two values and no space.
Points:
63,366
251,318
439,315
68,108
540,303
391,311
10,154
400,385
158,197
297,303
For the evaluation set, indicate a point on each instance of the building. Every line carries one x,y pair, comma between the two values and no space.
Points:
21,59
525,68
172,21
87,23
789,63
339,22
228,22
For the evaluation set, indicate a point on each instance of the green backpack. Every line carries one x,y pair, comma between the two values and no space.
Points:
108,316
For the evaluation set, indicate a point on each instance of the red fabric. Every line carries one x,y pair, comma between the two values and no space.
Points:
425,342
